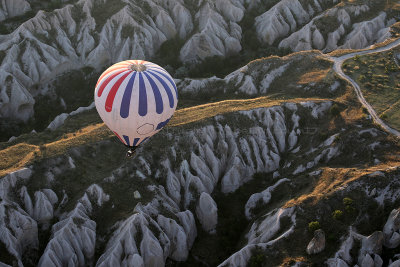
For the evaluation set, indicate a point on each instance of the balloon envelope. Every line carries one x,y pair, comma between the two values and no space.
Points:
135,99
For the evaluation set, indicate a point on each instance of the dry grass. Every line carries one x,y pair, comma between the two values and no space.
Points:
378,76
197,113
393,113
290,261
334,179
15,157
89,134
313,76
19,155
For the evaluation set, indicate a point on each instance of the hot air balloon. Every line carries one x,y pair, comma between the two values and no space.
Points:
135,99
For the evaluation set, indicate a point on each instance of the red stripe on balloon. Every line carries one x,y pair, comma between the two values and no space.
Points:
107,81
111,69
113,92
120,139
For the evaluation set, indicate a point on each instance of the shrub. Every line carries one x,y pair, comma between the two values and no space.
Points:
347,201
312,226
337,214
384,116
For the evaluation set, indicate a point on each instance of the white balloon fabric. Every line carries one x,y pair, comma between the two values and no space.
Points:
135,99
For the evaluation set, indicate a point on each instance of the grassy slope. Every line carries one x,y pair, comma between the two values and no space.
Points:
379,78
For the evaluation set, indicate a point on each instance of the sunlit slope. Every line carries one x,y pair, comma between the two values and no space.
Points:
16,156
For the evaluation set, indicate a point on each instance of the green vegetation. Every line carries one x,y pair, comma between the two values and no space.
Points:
312,226
347,201
378,75
349,207
337,214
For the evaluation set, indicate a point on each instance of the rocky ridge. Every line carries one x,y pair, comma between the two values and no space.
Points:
10,8
165,224
34,54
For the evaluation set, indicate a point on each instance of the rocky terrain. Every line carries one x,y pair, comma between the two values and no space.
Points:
89,35
163,206
286,168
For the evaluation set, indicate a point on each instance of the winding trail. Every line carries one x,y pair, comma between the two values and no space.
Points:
337,67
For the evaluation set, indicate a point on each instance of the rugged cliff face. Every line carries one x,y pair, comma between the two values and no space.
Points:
96,33
165,204
285,168
9,9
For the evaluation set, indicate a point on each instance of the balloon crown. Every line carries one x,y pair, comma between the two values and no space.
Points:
138,67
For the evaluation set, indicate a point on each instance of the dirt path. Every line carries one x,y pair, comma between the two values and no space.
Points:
338,62
17,156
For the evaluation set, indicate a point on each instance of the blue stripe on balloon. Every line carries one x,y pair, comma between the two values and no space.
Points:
126,99
168,78
142,97
157,94
126,139
166,87
162,124
144,140
135,141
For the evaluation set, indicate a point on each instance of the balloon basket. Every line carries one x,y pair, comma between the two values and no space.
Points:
130,153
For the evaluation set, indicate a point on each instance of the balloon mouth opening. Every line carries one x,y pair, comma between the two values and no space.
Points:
138,67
